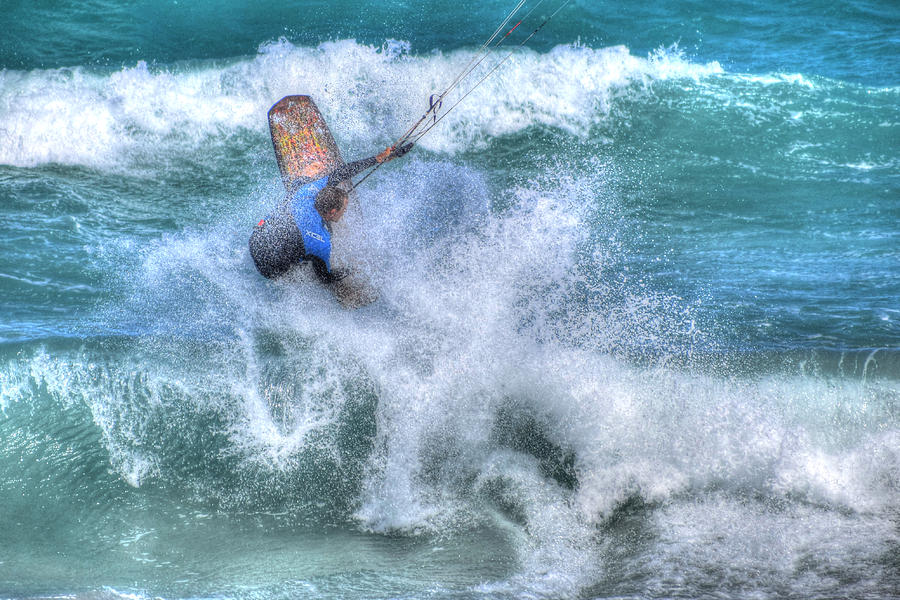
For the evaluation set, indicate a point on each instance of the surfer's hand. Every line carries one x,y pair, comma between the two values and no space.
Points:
392,153
398,152
385,156
339,274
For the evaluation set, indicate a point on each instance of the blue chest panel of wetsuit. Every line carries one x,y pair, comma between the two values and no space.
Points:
316,237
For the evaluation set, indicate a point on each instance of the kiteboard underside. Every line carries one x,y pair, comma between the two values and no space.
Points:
304,147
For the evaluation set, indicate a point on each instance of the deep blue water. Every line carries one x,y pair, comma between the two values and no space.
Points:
637,335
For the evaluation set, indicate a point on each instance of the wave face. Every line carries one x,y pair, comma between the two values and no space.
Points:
637,332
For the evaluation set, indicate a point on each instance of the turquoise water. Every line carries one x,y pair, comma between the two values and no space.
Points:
638,332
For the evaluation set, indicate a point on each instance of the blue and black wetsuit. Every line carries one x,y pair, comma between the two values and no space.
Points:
296,232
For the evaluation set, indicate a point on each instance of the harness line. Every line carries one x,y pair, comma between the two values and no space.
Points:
435,101
473,62
488,74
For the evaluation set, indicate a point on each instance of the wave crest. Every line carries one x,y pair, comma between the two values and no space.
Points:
369,95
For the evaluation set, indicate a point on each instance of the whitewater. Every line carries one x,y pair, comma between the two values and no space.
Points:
636,336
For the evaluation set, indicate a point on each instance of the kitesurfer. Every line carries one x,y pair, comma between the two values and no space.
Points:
299,230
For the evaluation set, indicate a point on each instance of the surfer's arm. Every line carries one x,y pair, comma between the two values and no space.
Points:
322,272
348,170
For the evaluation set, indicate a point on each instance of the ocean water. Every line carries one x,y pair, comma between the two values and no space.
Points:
638,326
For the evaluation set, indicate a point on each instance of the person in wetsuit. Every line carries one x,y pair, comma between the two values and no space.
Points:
299,229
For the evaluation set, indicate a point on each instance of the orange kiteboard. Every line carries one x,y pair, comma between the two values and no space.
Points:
304,147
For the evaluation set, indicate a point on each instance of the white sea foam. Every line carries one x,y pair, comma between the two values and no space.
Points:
482,322
369,95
